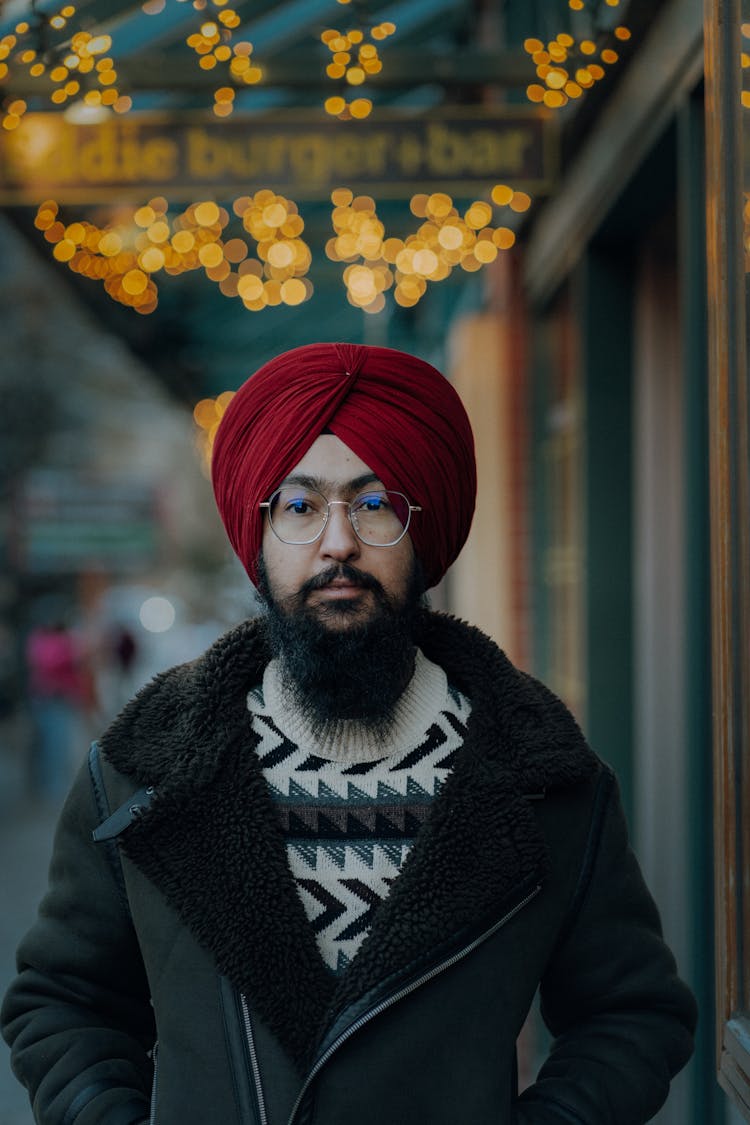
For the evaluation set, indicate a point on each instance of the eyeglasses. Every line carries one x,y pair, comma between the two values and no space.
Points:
300,515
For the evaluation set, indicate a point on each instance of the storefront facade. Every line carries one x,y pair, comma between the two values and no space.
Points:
629,591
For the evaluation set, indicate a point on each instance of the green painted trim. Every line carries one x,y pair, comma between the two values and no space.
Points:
540,368
708,1100
605,285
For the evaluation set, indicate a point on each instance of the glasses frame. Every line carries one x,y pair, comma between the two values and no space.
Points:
348,505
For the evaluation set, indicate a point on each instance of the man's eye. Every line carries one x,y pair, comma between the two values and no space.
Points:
299,507
374,503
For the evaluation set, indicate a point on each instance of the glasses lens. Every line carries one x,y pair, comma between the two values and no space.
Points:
380,518
298,515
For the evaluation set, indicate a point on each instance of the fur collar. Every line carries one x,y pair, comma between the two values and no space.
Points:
212,843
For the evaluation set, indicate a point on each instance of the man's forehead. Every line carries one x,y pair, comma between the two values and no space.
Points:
330,461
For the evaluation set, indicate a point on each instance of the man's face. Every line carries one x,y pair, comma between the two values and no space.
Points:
339,597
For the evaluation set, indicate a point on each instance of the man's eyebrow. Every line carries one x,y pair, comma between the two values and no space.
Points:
325,486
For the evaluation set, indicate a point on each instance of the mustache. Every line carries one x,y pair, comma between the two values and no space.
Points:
338,572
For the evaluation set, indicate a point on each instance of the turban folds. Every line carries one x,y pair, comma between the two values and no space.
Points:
397,413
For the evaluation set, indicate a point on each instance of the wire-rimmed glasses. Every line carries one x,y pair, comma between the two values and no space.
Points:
299,515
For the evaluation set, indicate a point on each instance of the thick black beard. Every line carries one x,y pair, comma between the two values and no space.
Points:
355,673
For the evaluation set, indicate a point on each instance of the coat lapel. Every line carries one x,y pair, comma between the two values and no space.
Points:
480,850
212,841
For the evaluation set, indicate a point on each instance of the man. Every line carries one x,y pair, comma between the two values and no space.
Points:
349,842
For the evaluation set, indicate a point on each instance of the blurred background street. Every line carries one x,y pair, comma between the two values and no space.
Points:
26,830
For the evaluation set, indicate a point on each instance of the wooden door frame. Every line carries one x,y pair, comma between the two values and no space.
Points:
730,546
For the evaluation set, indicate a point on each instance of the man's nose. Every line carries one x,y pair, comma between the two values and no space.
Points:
339,540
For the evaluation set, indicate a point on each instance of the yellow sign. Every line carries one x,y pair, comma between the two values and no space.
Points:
296,153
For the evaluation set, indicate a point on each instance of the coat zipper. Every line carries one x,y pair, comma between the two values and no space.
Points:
409,988
152,1108
263,1119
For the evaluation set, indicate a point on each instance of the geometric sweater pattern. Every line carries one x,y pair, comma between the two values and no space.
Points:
349,821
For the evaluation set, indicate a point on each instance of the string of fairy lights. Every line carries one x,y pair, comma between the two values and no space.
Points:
81,68
567,68
446,239
354,71
81,65
128,254
207,413
267,264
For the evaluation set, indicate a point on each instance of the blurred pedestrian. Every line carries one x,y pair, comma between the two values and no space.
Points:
123,657
56,685
349,842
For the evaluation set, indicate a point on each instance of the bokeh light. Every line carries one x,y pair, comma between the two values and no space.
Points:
126,255
157,614
445,239
353,61
564,65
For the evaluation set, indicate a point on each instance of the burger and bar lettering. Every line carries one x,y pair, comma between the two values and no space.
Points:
466,152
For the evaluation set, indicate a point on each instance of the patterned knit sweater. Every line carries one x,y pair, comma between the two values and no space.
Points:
352,803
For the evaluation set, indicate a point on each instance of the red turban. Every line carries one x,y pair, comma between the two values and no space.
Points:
396,412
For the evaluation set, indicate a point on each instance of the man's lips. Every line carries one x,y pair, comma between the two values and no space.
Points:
339,584
341,588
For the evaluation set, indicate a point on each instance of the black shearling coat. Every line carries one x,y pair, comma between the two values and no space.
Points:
184,984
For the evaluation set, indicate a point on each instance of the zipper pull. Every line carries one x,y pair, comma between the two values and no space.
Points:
122,818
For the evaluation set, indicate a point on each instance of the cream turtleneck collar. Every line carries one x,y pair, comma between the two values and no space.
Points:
346,740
